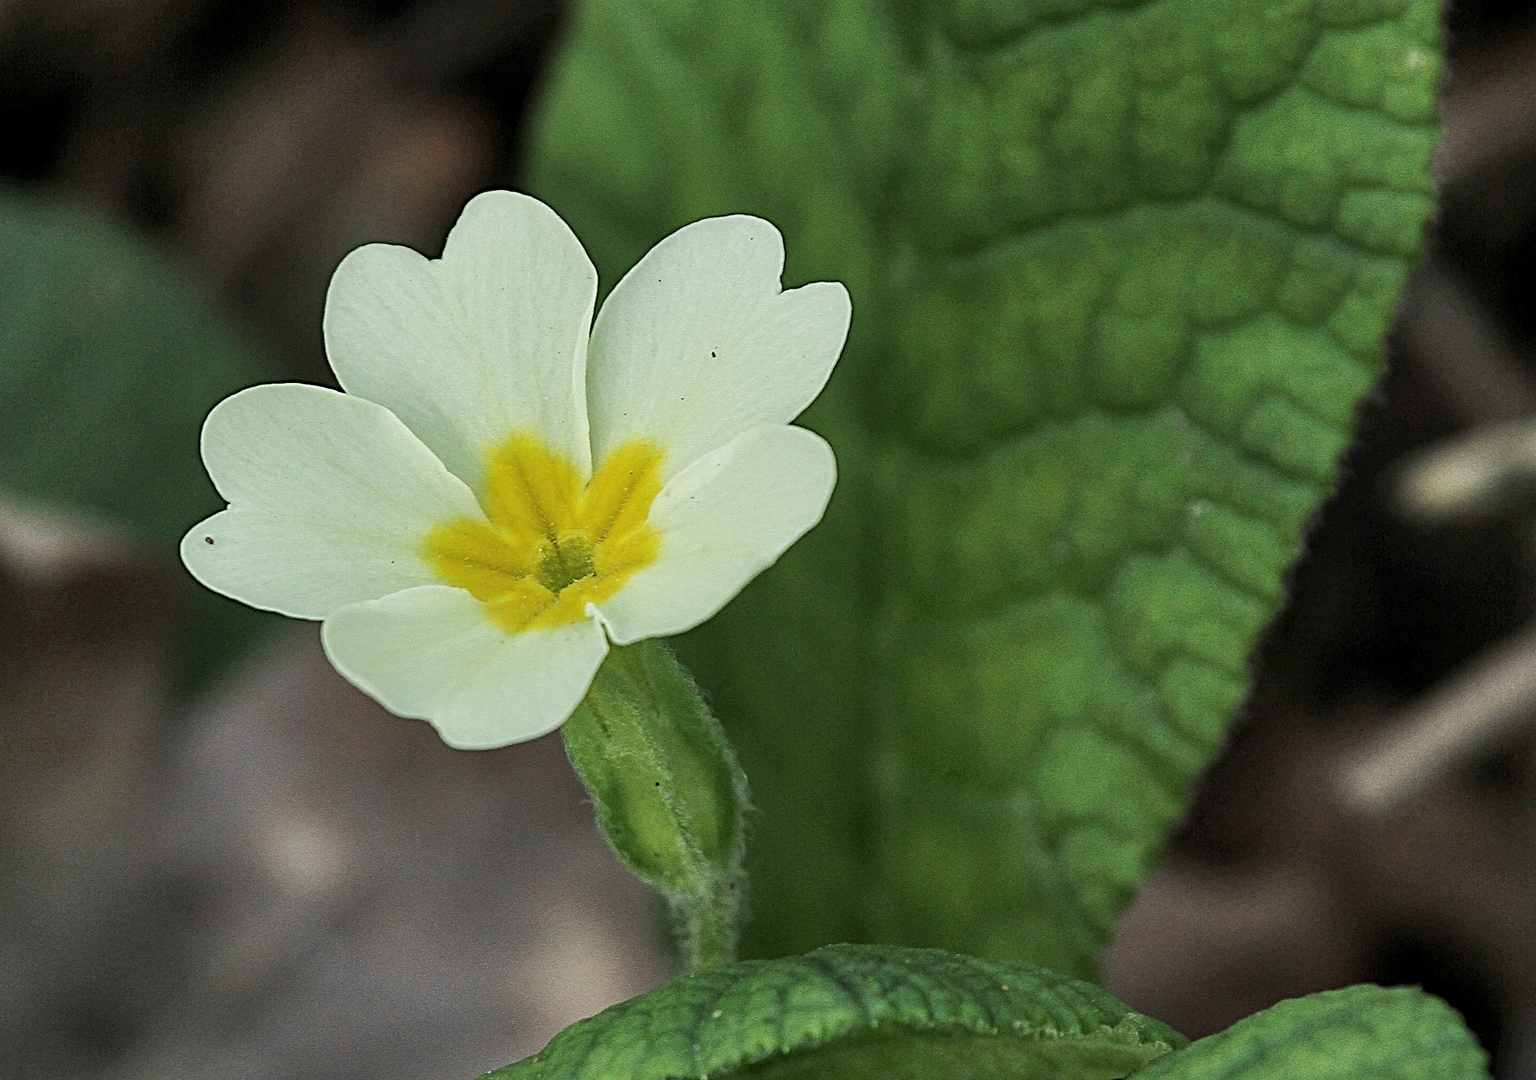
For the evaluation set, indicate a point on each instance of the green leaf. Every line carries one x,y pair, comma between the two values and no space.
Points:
1121,271
851,1011
1354,1034
109,360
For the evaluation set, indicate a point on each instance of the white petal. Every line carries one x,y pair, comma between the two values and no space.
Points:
431,654
487,341
697,343
723,521
330,497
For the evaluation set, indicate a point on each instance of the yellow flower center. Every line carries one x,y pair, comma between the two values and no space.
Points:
549,547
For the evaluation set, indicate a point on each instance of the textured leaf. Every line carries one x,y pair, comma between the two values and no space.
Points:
1362,1033
109,361
1121,271
857,1011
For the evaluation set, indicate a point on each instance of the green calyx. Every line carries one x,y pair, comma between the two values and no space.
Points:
669,794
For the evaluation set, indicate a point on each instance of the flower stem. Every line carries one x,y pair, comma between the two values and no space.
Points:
669,794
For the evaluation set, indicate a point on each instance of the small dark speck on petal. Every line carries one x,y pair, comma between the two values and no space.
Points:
712,354
207,539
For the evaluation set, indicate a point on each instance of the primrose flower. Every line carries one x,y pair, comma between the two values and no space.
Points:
506,486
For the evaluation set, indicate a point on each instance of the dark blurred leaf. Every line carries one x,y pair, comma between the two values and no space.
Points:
109,360
1120,273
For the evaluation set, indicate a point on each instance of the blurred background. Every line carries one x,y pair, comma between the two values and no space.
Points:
254,872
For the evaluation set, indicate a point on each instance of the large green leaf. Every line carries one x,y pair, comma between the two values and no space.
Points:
1362,1033
847,1012
109,360
858,1011
1121,271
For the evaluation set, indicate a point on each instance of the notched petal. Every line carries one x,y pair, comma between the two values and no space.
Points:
699,342
723,521
469,349
330,500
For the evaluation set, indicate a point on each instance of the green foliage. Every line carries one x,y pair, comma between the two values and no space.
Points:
856,1011
668,792
847,1012
1121,272
109,361
1354,1034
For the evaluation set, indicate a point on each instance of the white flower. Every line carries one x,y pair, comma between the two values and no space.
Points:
498,493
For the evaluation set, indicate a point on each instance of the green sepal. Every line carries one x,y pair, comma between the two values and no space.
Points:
849,1011
668,792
